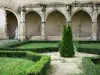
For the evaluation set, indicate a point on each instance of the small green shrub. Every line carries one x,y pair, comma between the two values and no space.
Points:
89,50
89,68
40,67
67,47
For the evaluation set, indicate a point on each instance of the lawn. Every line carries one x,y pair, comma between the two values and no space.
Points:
92,45
38,45
14,66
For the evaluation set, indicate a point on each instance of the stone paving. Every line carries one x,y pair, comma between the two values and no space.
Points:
66,66
6,41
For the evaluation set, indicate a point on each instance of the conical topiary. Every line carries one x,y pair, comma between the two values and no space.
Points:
67,47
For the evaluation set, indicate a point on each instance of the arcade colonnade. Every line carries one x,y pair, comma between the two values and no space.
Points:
46,22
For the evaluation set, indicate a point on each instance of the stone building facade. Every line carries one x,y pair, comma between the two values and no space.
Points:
44,19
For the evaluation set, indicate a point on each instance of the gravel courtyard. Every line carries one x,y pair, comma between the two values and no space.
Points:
6,41
66,66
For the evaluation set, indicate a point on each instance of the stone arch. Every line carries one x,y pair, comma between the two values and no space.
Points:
7,9
32,24
33,11
49,12
81,23
79,9
54,23
12,23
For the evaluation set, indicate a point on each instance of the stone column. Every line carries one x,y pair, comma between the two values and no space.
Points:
94,23
94,30
3,24
5,28
22,25
18,26
43,37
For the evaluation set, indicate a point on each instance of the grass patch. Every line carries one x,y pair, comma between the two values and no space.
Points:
92,45
38,45
14,66
23,63
34,46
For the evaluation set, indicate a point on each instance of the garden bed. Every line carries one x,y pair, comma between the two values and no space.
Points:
34,46
38,45
23,63
92,47
14,66
91,66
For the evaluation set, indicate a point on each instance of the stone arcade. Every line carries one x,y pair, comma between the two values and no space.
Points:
44,19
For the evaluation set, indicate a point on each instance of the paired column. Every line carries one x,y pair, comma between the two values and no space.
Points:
94,23
43,37
22,25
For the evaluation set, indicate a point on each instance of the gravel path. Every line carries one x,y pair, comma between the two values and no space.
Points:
66,66
6,41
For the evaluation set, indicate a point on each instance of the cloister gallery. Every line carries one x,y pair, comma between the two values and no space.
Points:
45,20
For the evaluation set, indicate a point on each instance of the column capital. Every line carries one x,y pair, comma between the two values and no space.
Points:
23,9
94,8
43,7
68,7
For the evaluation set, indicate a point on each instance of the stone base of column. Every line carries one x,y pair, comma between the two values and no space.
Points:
43,38
22,38
94,37
4,38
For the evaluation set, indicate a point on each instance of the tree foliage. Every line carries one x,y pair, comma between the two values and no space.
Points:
67,47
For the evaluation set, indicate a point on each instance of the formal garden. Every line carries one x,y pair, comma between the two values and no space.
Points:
66,57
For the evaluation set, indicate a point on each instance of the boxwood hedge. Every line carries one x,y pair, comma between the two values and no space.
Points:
89,67
12,46
42,61
89,50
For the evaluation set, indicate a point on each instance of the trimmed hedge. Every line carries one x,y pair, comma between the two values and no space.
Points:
11,46
42,62
89,68
87,42
89,50
40,68
38,50
16,44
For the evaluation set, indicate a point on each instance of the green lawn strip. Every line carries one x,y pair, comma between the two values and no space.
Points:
38,45
92,46
14,66
39,66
